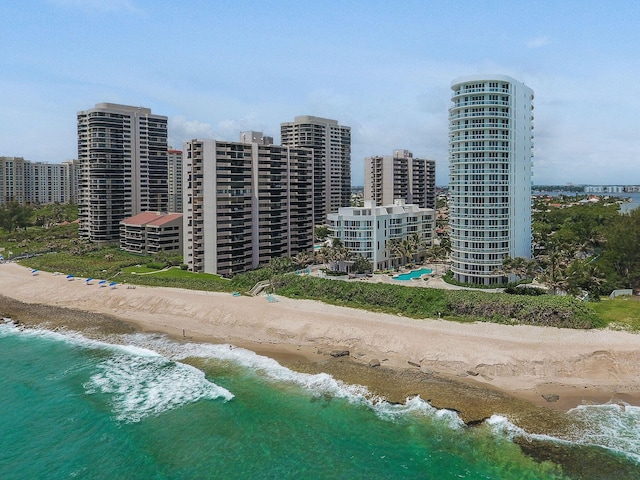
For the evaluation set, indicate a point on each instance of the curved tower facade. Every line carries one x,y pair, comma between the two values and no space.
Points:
490,160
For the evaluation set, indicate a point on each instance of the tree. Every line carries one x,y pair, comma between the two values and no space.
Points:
321,233
585,277
281,265
395,248
622,252
302,259
362,265
14,216
437,254
554,264
415,245
331,255
521,267
338,254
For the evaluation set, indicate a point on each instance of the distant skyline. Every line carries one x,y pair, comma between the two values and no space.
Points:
383,68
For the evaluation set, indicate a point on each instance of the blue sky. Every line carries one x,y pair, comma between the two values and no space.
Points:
384,68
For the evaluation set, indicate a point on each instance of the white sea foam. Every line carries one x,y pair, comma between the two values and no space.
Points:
144,385
612,426
502,425
141,381
269,368
417,406
320,384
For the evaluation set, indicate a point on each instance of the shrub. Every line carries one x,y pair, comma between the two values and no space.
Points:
542,310
531,291
155,265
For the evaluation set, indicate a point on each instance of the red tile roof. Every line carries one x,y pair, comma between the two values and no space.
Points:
151,218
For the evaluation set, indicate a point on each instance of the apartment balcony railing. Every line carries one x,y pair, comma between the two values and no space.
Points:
454,116
474,126
481,102
479,149
470,261
466,91
464,138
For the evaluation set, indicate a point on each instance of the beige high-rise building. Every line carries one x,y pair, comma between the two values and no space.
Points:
71,180
44,183
174,180
400,177
244,204
331,145
25,182
12,184
123,159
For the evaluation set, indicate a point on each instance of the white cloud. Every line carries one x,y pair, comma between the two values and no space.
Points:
538,42
181,130
229,129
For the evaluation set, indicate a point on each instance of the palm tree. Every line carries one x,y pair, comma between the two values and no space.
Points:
394,247
555,263
339,253
437,254
520,267
415,244
302,259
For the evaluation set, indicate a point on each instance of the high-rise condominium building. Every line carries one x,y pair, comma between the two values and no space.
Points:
331,145
24,181
244,204
174,180
490,145
71,180
401,176
12,180
123,159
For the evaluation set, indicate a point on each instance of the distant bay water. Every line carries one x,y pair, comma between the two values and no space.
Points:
144,406
625,207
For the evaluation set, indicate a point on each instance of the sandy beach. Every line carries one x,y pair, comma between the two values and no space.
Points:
547,367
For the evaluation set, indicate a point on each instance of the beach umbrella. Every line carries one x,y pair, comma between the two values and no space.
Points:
88,281
113,284
102,283
71,277
34,272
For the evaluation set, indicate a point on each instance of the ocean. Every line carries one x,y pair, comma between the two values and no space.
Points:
143,406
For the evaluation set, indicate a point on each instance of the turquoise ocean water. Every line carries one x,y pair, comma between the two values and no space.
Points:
134,407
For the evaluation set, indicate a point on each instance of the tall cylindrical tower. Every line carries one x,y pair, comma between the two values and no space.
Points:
490,159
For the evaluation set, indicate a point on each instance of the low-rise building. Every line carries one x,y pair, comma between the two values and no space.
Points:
371,231
152,232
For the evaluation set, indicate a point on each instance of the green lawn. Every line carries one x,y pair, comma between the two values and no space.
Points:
623,312
174,277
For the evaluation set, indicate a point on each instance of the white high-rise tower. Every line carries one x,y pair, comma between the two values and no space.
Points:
490,158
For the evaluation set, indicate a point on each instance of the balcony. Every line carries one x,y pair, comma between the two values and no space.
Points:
454,116
480,149
481,102
467,91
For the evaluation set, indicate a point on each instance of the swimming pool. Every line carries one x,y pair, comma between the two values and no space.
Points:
413,274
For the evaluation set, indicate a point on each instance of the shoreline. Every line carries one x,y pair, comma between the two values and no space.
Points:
477,369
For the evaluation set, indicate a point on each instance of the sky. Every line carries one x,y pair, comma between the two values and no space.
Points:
384,68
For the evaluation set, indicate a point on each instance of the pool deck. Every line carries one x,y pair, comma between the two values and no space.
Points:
433,280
